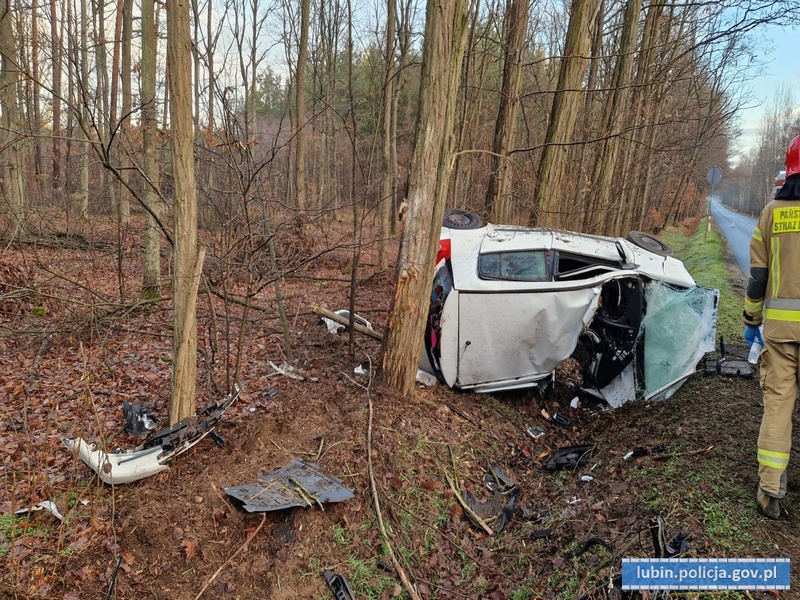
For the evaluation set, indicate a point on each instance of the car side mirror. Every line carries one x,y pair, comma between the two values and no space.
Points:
625,254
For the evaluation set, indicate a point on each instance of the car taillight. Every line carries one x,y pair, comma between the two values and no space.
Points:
444,251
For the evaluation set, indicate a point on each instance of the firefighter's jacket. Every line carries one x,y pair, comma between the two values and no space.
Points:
773,289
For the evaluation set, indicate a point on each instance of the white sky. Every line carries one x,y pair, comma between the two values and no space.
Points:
780,65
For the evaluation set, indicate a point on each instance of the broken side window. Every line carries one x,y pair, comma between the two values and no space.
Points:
573,266
514,266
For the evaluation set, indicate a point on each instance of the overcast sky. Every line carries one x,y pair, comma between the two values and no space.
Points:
781,64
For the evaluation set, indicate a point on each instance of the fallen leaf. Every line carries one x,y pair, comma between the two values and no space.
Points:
191,546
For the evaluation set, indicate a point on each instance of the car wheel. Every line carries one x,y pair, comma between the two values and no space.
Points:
650,243
457,218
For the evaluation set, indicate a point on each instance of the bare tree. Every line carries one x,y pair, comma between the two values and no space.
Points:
300,110
515,29
563,116
387,182
188,262
12,157
445,37
151,270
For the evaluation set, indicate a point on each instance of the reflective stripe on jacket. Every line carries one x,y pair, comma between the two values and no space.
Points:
773,288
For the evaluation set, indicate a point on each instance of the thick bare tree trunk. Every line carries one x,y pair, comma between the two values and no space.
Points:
445,36
151,272
300,111
617,108
563,116
515,32
187,267
387,183
12,156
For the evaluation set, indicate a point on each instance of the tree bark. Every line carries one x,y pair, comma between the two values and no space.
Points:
563,116
515,32
387,183
12,157
445,36
300,111
127,33
187,266
83,91
617,107
55,48
151,272
37,88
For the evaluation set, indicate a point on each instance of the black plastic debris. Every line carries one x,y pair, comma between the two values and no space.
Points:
384,566
541,534
729,364
187,432
339,586
637,452
299,483
499,510
569,457
675,547
137,419
562,420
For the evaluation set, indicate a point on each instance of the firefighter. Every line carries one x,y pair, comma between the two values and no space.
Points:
773,299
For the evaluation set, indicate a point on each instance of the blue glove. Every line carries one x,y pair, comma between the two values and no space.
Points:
752,333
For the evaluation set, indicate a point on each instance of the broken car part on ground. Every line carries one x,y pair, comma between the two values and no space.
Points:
151,457
299,483
508,304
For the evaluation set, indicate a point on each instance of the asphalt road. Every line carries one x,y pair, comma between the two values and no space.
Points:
737,229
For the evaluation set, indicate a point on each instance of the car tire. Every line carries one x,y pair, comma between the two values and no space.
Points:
457,218
650,243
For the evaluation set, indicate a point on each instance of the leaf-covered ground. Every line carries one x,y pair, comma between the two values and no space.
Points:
74,345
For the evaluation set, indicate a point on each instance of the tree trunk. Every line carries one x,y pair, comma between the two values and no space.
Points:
12,157
55,46
127,32
83,91
37,88
387,189
300,111
550,181
515,33
188,264
445,36
617,108
151,272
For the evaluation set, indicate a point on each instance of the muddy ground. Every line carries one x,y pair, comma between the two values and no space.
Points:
73,347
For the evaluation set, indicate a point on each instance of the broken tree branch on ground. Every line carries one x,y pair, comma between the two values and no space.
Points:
329,314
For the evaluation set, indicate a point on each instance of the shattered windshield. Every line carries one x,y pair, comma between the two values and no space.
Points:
678,328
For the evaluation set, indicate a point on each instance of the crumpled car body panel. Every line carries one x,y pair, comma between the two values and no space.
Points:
551,324
115,468
152,456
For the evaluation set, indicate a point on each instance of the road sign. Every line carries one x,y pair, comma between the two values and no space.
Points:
714,175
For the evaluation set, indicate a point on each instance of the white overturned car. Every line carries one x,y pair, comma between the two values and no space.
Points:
509,304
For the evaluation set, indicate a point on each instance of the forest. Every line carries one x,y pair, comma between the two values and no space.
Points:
184,182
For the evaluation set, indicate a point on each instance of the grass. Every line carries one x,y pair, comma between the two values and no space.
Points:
703,254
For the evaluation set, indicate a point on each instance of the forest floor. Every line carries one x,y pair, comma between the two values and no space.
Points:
73,347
